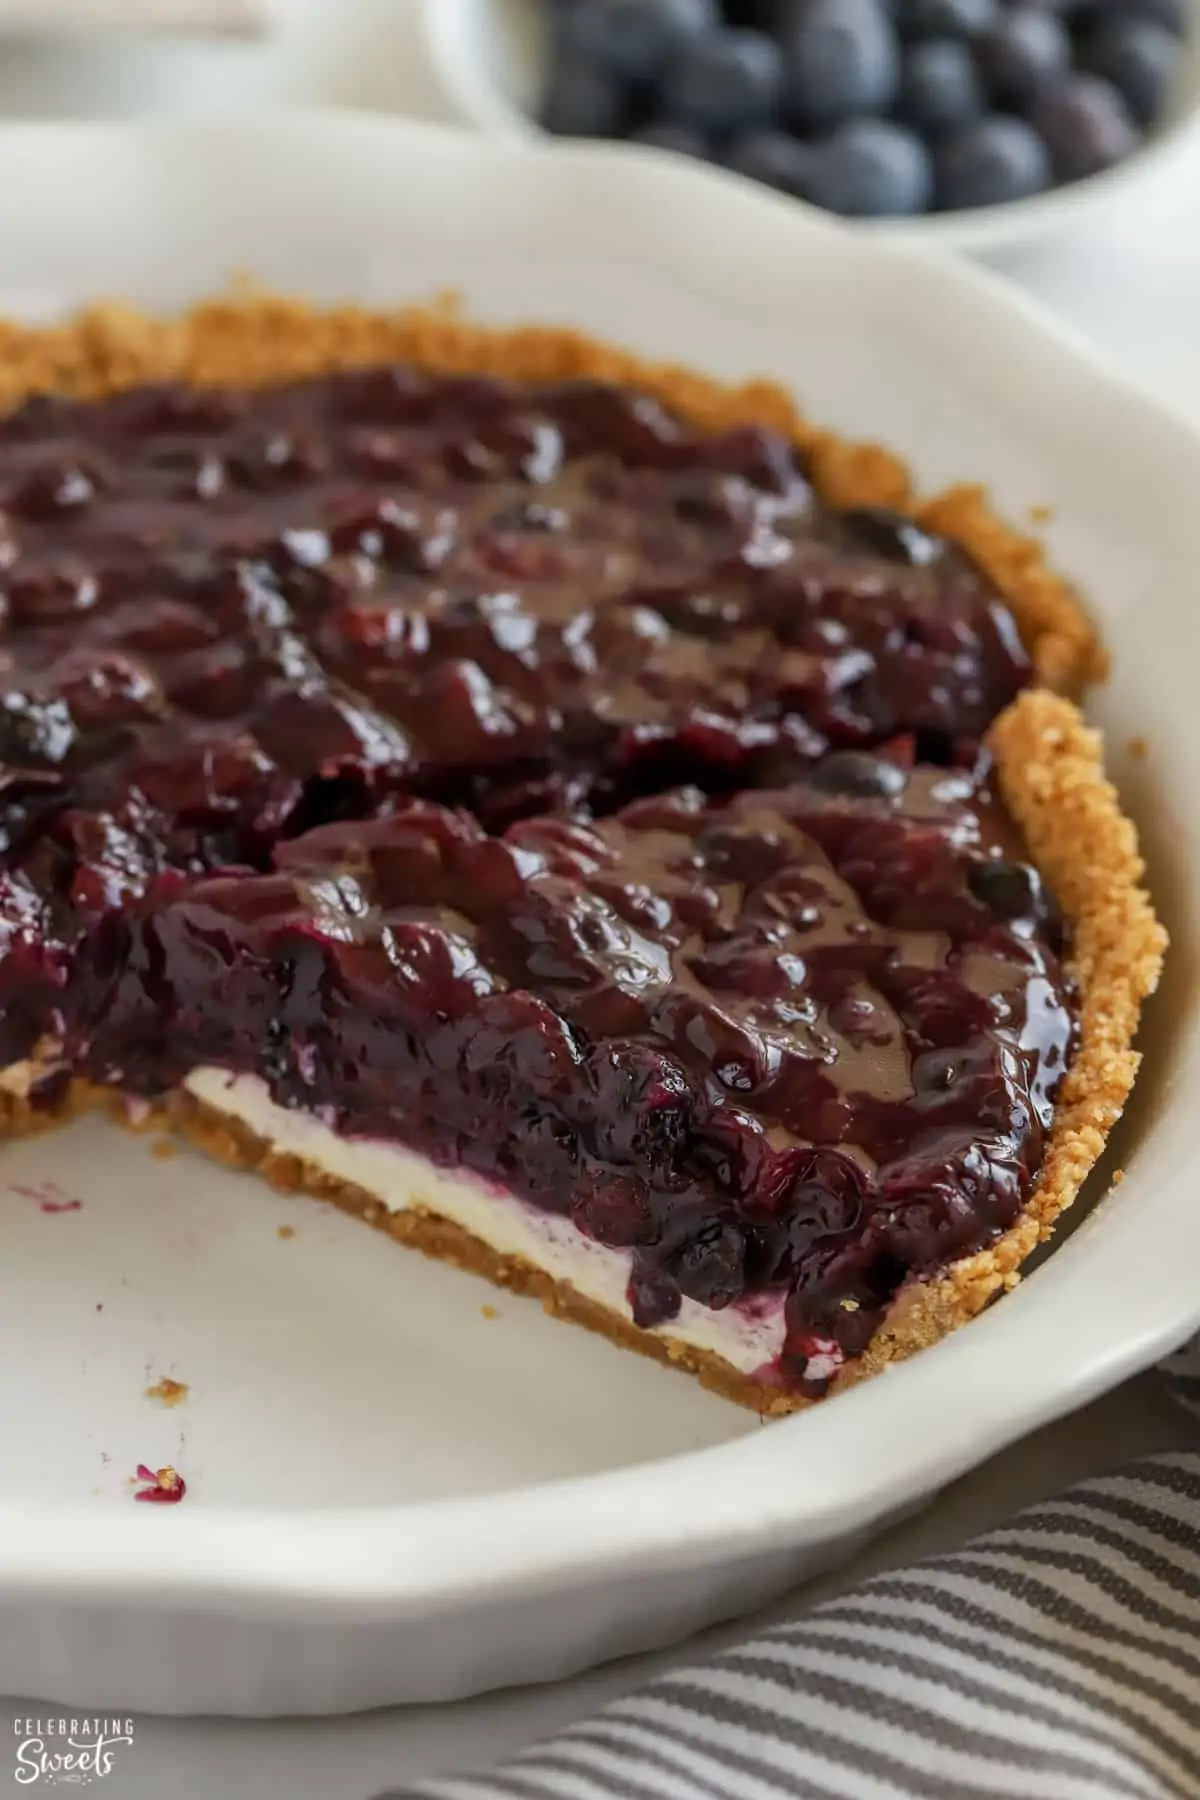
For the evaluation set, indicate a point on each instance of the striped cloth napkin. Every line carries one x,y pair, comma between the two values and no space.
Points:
1055,1658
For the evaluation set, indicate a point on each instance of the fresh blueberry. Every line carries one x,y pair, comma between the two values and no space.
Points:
859,774
1066,11
894,536
869,168
990,163
940,88
946,18
669,134
1139,58
760,15
1024,56
725,82
711,1268
1087,126
774,157
842,61
1012,889
1172,15
581,100
634,40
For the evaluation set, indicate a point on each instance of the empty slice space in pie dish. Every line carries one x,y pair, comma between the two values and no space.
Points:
596,827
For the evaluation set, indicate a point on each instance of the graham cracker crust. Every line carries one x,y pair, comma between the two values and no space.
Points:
1049,762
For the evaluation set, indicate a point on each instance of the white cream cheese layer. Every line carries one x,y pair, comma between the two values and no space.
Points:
400,1179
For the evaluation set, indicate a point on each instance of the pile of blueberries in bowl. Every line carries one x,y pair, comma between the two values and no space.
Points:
872,108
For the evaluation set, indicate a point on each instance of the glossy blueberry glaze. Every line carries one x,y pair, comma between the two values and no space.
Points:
342,735
219,601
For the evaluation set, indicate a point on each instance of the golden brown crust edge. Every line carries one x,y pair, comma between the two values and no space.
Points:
252,338
1049,763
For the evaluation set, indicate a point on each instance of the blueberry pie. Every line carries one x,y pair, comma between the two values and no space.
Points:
579,817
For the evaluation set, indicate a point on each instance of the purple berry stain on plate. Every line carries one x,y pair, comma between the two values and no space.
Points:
871,108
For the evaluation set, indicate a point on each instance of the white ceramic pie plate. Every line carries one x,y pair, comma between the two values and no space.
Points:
392,1497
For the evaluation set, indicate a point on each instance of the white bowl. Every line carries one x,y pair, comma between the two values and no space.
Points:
390,1496
488,54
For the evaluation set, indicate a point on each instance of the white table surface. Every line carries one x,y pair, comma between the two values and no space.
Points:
1133,288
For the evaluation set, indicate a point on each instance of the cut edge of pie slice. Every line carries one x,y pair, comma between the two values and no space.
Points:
1049,767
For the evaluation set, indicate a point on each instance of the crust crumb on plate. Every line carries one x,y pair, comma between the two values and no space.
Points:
168,1391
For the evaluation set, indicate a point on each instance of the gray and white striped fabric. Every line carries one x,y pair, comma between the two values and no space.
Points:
1055,1658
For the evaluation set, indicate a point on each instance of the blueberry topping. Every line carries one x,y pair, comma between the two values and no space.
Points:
893,535
711,1265
1012,890
857,773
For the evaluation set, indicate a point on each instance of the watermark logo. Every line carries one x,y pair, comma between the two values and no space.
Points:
62,1752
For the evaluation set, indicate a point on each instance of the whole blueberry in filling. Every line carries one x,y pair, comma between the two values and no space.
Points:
529,777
